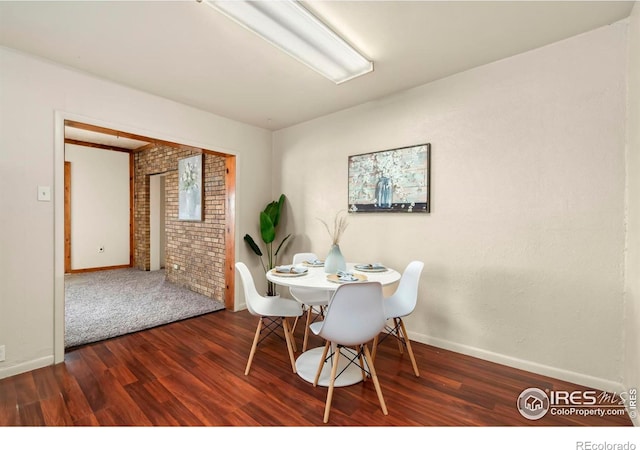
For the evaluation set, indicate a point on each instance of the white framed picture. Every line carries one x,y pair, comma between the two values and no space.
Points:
396,180
190,188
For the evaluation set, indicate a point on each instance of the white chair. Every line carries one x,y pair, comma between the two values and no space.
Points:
399,305
354,316
314,300
272,313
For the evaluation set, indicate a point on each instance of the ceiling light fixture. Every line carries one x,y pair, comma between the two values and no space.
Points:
293,29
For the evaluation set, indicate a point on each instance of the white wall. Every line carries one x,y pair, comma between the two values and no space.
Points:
100,213
632,277
35,97
524,245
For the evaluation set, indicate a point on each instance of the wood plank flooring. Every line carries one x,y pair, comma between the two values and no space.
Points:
191,373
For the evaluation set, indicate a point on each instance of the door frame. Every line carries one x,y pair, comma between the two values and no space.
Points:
67,217
59,216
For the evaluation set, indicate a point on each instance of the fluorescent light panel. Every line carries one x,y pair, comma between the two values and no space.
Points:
293,29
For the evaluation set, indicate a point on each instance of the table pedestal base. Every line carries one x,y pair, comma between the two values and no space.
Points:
307,366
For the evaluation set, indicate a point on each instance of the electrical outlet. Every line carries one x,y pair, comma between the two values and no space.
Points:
44,193
176,267
2,354
101,249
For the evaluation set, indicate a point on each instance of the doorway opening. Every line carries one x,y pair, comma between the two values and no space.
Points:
155,193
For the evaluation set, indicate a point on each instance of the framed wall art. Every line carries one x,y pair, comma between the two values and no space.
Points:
396,180
190,188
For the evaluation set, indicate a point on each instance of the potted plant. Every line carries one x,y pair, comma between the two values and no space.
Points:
269,219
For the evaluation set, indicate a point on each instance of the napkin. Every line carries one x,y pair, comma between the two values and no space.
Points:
315,262
290,269
346,276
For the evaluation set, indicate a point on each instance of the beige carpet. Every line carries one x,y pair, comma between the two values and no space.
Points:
104,304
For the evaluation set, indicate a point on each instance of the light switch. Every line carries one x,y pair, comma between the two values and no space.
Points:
44,193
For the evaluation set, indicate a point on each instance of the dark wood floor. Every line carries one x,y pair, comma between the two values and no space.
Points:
191,373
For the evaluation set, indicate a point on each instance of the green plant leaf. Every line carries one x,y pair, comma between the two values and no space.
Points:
269,219
282,242
267,229
249,240
278,212
271,210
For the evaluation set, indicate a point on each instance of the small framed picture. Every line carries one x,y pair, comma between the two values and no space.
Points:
190,188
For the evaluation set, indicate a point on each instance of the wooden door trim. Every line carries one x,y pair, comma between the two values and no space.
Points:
132,230
230,234
67,217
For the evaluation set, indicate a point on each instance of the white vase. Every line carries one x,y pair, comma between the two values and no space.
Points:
334,260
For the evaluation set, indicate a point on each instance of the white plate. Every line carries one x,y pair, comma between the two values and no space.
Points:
308,264
367,268
288,274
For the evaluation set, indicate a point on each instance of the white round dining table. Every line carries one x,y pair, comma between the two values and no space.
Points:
316,278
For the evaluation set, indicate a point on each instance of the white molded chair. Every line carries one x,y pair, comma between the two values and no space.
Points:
272,313
314,300
354,316
399,305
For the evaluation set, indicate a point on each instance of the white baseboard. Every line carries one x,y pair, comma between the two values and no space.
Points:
27,366
529,366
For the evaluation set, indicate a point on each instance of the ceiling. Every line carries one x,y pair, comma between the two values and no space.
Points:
188,52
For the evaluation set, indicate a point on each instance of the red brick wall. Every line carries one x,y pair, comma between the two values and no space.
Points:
198,248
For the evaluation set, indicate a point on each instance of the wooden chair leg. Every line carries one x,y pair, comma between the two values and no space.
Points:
294,326
306,329
374,377
254,346
334,370
374,347
295,322
321,365
288,338
405,337
293,339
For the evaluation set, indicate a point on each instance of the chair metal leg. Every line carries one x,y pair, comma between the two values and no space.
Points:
358,349
254,346
334,370
397,327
